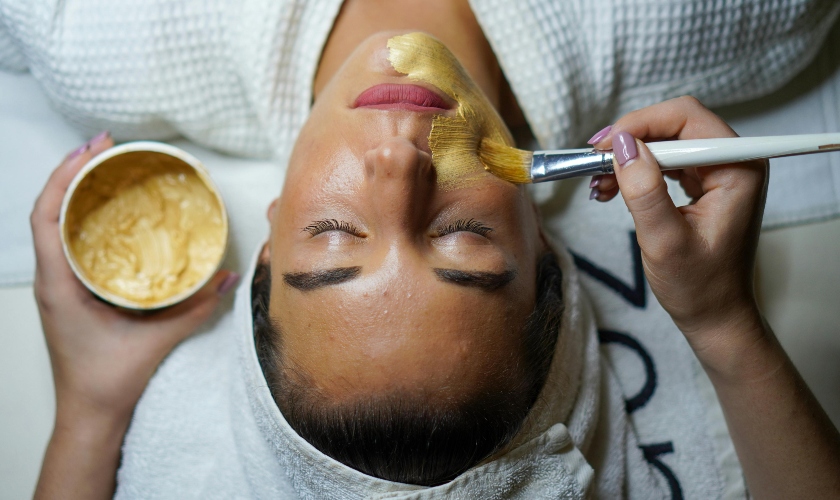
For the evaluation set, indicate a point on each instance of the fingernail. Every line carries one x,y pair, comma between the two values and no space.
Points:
594,193
228,284
624,148
595,181
600,135
82,149
101,136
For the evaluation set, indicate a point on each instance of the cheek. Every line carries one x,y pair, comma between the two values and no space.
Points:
325,162
342,172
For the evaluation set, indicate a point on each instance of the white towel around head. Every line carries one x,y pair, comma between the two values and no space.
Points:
207,427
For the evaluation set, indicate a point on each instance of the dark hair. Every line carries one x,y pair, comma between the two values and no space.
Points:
399,436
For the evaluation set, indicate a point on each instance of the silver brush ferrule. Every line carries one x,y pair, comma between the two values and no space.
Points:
565,164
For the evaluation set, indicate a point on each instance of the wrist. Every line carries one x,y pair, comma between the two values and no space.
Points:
89,426
737,349
83,454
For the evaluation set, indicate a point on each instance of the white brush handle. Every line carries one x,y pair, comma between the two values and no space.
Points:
705,152
566,164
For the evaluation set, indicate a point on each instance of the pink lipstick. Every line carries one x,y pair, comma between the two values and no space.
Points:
396,96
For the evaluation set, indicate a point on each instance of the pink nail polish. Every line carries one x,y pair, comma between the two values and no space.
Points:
228,284
594,194
99,138
600,135
82,149
624,148
596,180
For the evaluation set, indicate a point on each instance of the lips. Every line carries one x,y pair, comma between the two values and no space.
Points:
407,97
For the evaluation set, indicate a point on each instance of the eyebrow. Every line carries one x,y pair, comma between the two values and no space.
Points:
486,281
311,280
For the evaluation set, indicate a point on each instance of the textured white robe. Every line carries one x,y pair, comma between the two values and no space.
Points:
237,75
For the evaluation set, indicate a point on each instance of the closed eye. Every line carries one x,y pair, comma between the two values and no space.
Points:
468,225
322,226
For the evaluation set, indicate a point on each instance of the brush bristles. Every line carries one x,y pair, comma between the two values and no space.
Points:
506,162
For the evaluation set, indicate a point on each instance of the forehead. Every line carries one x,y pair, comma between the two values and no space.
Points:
404,333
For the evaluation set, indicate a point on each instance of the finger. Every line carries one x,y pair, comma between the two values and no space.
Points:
691,185
688,180
604,183
45,215
603,187
645,192
604,195
732,201
100,143
182,320
680,118
48,205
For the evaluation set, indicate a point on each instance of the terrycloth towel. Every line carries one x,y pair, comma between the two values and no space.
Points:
668,398
207,427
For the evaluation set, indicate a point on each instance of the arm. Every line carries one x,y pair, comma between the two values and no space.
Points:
101,357
699,261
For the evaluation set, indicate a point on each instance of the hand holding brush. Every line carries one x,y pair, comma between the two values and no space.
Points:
523,167
699,261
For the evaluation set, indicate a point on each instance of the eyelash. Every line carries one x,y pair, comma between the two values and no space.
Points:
470,225
325,225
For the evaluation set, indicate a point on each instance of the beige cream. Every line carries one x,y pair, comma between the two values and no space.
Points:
144,227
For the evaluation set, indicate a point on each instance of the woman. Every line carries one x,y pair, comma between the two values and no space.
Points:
382,179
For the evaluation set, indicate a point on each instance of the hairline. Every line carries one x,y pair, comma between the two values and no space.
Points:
537,344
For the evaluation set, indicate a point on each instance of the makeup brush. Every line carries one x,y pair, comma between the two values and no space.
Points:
523,167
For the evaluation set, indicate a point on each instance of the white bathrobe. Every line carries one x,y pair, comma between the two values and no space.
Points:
236,76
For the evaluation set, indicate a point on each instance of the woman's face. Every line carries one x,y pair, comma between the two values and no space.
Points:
381,278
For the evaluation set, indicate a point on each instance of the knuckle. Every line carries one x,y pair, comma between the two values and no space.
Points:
35,216
633,114
39,214
691,102
629,119
645,195
42,297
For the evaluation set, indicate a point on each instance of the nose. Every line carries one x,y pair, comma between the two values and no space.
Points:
402,181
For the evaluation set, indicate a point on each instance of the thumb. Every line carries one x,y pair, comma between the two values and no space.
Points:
645,192
182,320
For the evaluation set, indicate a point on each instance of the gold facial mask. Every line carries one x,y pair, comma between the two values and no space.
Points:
454,141
143,228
